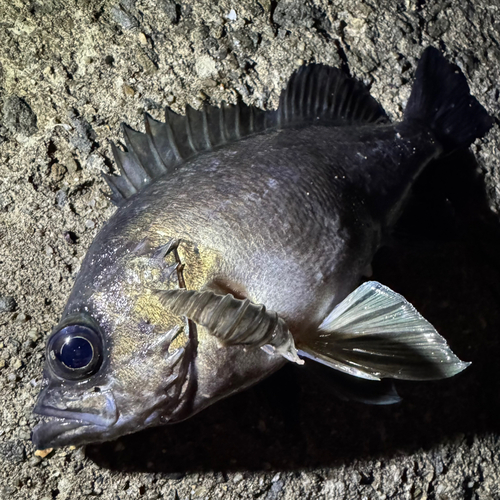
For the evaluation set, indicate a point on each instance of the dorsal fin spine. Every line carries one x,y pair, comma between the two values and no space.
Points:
356,106
331,105
117,155
303,86
118,158
349,103
222,123
335,97
189,132
309,88
171,137
286,108
292,109
343,100
206,132
251,121
154,150
293,98
145,173
111,180
338,99
152,143
317,102
237,124
327,98
271,117
284,112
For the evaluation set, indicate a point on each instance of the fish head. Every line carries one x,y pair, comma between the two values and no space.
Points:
95,390
118,362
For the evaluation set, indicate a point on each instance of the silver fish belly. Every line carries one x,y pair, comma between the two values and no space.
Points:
238,243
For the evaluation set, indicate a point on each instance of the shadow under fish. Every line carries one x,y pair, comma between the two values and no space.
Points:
239,238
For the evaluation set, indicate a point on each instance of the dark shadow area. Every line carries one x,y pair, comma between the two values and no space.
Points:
445,260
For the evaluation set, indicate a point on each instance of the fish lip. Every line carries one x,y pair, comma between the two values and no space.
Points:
48,434
109,418
61,427
56,432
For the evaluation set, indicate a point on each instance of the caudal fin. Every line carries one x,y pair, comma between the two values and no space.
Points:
441,99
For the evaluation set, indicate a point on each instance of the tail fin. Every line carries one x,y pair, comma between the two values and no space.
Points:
441,99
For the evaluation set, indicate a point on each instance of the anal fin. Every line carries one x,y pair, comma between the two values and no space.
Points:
376,333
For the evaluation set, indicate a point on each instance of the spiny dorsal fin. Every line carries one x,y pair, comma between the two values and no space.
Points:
315,94
167,144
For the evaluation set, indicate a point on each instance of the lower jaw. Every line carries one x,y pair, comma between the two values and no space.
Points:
58,432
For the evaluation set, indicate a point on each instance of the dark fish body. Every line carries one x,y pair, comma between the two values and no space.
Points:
312,200
289,217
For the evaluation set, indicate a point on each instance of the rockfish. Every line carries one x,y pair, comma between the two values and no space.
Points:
240,239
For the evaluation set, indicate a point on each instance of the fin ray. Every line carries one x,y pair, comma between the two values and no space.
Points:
315,94
233,321
376,333
440,99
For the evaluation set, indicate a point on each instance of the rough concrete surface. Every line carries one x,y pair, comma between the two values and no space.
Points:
71,71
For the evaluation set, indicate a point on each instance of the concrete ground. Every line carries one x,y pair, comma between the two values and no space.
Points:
71,71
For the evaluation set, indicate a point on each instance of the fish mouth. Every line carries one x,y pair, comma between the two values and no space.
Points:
55,432
62,426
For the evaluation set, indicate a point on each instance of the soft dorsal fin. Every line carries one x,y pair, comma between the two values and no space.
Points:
322,94
315,94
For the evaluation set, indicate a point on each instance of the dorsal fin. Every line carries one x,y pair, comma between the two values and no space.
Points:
315,94
325,95
168,144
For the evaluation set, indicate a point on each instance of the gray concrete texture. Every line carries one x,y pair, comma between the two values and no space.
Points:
71,71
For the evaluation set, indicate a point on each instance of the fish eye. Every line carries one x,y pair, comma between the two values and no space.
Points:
75,352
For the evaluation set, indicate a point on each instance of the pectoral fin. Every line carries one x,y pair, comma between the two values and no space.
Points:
233,321
376,333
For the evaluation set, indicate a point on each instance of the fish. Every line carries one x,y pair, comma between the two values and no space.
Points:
241,242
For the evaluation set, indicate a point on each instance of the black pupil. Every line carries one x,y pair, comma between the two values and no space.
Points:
76,353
